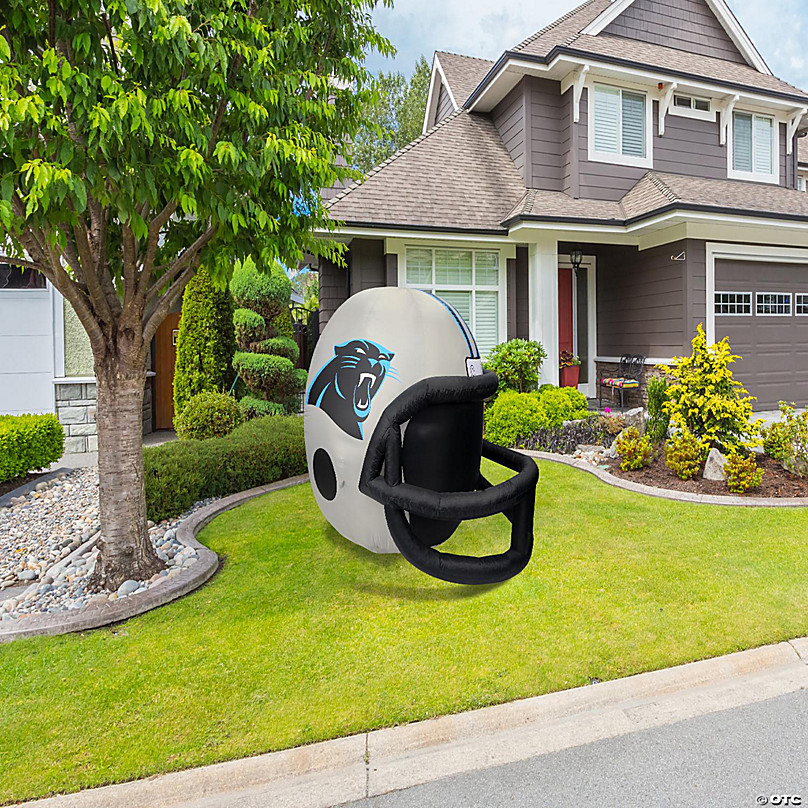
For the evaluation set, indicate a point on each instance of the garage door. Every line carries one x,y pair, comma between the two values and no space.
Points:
763,309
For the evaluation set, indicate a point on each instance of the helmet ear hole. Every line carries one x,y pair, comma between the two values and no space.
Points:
325,478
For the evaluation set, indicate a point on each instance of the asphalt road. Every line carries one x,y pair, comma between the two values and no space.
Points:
731,759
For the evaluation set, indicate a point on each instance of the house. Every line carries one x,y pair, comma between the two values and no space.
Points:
649,136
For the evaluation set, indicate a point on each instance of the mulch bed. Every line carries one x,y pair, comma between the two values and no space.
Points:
10,485
777,482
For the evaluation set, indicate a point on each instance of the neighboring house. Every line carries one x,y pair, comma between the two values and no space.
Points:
649,134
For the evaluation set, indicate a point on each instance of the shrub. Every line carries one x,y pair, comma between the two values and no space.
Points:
634,451
29,442
685,455
563,404
279,346
567,438
776,440
706,400
514,416
658,419
517,364
266,293
787,440
250,327
206,341
273,376
208,415
181,473
742,472
252,407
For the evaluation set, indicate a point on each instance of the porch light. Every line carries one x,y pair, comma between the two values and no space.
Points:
576,258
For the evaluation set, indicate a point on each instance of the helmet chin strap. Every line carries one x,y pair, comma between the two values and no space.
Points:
515,497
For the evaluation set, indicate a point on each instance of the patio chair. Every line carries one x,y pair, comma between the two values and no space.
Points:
628,377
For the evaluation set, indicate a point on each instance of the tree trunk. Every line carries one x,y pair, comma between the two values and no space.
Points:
126,552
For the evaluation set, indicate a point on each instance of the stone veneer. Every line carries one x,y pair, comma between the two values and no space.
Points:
75,408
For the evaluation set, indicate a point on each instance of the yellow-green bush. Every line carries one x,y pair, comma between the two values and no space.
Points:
635,452
685,454
742,473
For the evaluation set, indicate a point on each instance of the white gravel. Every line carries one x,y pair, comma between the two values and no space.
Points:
48,525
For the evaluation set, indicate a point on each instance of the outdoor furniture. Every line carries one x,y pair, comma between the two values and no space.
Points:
628,377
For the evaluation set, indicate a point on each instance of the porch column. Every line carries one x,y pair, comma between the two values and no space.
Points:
543,290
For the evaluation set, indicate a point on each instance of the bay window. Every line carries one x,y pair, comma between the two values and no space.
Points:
469,280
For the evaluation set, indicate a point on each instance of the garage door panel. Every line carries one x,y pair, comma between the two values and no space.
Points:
774,348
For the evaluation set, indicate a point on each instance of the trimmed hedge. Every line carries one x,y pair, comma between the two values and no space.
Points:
252,407
274,376
208,415
260,452
267,292
279,346
250,327
29,442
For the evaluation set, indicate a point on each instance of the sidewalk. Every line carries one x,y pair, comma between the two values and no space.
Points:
373,763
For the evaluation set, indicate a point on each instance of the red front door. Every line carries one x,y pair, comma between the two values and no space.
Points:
566,337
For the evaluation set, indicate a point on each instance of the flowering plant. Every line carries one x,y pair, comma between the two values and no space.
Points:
568,359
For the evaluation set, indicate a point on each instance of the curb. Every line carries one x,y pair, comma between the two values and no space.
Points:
373,763
24,490
664,493
187,581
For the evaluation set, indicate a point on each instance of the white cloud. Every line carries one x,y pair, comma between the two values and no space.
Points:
779,28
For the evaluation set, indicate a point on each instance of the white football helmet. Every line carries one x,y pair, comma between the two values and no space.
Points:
394,423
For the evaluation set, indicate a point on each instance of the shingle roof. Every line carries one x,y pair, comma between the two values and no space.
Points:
464,73
566,34
657,191
458,176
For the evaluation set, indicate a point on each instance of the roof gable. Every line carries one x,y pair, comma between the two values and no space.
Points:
454,79
709,26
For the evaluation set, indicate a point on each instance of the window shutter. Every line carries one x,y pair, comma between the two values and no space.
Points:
607,119
486,331
633,124
742,143
460,300
764,145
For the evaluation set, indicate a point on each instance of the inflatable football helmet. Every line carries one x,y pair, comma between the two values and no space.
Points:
394,435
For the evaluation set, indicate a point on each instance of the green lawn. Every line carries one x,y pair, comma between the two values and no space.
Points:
304,636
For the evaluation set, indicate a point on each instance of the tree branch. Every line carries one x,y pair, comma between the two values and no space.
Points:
19,262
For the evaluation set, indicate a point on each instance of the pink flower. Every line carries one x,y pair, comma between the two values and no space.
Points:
608,411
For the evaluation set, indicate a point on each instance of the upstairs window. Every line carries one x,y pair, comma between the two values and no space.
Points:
620,129
754,147
689,102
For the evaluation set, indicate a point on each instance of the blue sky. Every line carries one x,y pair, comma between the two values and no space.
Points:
779,28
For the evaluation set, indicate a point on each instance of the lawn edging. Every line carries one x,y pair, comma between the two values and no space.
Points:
191,578
27,488
665,493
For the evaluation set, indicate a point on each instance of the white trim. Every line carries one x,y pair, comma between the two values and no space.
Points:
743,252
722,13
74,380
751,311
665,105
434,94
577,81
789,313
543,303
797,302
589,389
754,176
793,124
726,109
596,156
691,112
58,315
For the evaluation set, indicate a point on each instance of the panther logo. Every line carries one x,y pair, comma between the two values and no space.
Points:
345,387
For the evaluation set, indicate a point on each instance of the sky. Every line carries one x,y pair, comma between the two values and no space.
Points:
779,29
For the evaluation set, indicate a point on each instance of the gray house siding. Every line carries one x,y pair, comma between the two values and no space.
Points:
546,156
641,301
688,25
509,118
333,289
444,106
518,296
689,146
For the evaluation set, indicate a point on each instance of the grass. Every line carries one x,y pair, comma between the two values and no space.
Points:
303,636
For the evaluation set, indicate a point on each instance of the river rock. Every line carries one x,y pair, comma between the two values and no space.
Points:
714,469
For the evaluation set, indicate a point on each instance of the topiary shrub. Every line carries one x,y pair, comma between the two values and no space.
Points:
705,399
517,364
208,415
268,354
181,473
252,407
659,419
742,472
634,451
685,455
206,341
29,443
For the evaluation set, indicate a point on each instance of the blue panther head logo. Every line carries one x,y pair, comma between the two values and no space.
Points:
345,387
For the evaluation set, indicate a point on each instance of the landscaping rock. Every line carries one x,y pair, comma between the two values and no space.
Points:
127,588
714,469
636,418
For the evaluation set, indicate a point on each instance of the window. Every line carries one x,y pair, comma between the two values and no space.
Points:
466,279
778,305
620,130
12,277
802,185
689,102
754,149
801,304
733,303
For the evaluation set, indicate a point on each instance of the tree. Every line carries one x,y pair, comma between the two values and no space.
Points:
206,341
307,284
267,353
395,116
141,137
